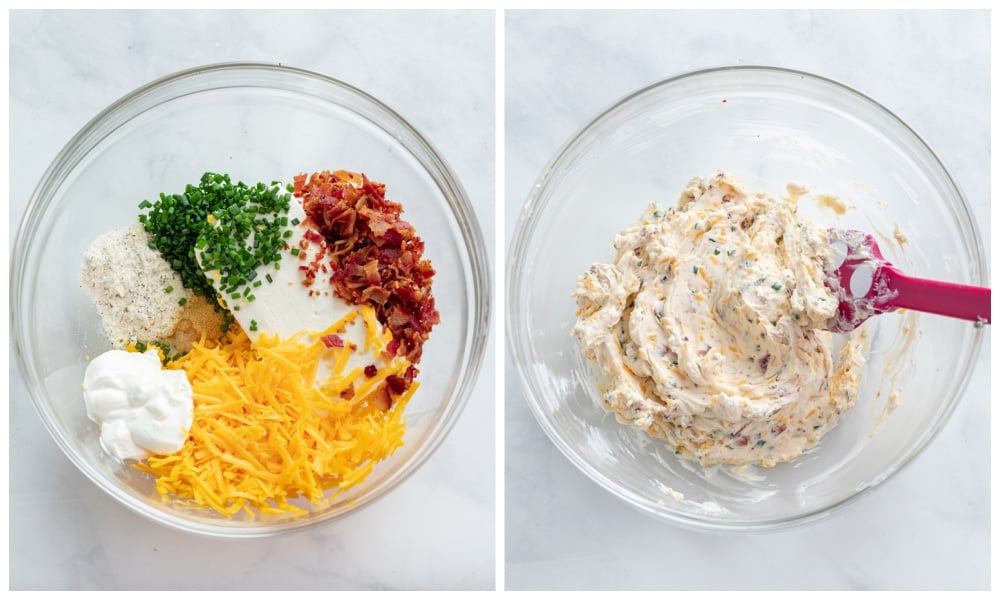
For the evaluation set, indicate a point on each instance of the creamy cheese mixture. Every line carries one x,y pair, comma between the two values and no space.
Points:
707,329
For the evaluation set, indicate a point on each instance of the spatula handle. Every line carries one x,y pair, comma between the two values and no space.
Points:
941,298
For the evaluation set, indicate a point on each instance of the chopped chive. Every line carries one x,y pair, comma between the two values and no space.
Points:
235,227
168,289
776,286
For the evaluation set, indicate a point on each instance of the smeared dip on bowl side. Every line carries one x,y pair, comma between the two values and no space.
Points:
707,329
298,373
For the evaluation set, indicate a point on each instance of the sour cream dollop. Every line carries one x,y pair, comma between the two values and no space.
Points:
141,407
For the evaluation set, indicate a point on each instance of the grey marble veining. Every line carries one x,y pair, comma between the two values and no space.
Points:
927,527
436,529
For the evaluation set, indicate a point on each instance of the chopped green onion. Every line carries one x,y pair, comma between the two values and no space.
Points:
236,227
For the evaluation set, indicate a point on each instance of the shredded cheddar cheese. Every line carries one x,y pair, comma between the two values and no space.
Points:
266,432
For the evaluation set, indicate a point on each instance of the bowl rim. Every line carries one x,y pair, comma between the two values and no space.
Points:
479,284
519,345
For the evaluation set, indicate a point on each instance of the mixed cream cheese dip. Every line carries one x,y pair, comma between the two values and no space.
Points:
706,331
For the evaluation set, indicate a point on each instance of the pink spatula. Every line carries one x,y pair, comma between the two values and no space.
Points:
866,284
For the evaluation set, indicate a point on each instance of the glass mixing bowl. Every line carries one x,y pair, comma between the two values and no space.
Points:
257,122
768,126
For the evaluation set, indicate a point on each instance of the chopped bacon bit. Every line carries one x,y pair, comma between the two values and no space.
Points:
308,275
375,257
398,384
332,341
371,371
348,393
312,236
382,400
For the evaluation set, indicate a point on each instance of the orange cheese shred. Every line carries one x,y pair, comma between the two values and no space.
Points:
266,434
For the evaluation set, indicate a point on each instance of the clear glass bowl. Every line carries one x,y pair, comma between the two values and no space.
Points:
257,122
768,126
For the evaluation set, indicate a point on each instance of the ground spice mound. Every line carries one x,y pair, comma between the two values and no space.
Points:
140,298
375,257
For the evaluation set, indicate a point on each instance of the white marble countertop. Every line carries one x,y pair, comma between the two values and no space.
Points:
927,527
436,530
